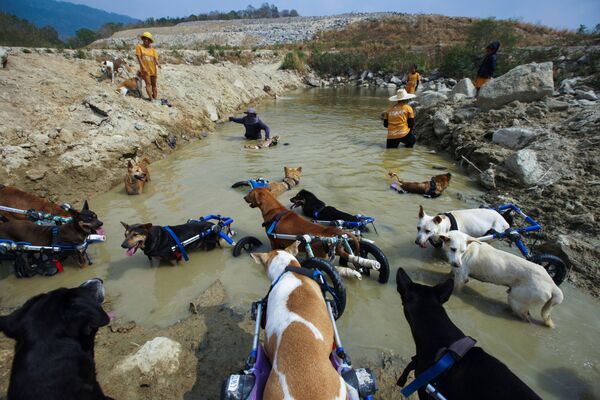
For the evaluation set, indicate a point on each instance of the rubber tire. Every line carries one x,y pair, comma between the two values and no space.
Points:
240,184
245,243
365,249
555,266
335,280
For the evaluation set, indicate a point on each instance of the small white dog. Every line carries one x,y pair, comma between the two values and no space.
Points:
476,222
528,283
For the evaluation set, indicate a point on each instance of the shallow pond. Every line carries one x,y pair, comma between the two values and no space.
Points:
338,139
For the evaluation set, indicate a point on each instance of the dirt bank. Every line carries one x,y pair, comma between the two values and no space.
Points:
65,135
214,343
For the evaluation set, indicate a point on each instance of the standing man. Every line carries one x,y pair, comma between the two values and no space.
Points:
253,125
399,119
488,66
412,80
148,59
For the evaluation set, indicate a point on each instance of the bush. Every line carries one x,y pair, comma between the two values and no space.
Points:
294,60
457,62
80,53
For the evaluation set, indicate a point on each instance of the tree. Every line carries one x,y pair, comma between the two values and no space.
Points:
82,38
582,30
294,13
484,31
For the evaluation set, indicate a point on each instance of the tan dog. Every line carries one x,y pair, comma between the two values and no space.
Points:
137,176
434,188
291,179
133,85
299,334
265,144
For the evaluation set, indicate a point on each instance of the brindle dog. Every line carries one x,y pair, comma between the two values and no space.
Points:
433,188
16,198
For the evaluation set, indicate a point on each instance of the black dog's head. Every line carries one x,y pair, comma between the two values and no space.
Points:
420,300
301,198
86,220
74,313
135,237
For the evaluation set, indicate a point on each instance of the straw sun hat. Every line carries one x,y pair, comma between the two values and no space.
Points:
401,94
147,35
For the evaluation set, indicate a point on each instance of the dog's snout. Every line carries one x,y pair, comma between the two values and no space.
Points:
98,286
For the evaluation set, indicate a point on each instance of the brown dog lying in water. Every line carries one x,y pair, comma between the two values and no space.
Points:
15,198
291,179
137,176
434,188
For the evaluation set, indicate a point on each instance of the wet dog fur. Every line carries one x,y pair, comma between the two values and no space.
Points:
54,350
440,182
12,197
290,180
137,175
156,243
311,205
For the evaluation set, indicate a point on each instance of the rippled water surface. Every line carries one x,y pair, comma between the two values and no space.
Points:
337,137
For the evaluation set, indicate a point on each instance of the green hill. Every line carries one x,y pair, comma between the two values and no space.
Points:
15,31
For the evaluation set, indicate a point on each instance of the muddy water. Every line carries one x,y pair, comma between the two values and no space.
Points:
336,136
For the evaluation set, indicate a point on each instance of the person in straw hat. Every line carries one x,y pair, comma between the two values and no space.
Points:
253,125
148,59
399,119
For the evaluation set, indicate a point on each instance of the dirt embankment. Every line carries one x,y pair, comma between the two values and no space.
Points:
65,135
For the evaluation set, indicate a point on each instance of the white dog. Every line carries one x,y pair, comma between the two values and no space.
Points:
528,283
475,222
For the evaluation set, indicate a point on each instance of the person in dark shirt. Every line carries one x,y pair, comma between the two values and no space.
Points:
488,65
253,125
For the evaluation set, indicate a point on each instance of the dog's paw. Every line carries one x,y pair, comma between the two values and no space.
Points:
349,273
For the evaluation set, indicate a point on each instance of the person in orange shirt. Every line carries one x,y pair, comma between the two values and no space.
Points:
412,80
399,119
148,59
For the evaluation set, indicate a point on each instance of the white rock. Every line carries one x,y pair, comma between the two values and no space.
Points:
465,87
158,356
441,120
524,83
456,97
525,166
586,95
391,86
428,99
514,138
3,57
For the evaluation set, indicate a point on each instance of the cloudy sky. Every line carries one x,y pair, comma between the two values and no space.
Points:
555,13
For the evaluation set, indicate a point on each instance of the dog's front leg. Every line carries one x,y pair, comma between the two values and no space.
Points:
461,277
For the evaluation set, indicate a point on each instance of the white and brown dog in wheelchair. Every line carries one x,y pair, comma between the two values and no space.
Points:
528,283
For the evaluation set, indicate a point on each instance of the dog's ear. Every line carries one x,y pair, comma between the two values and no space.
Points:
472,240
421,212
293,248
437,219
9,325
444,238
444,290
260,258
449,175
129,164
125,225
147,226
299,169
85,207
403,283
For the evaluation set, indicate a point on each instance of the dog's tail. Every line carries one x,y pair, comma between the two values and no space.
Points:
556,299
341,251
394,175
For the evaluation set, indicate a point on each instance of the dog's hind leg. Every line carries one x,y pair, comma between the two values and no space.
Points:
556,299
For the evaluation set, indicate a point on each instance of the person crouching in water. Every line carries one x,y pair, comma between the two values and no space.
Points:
399,119
253,125
148,59
412,80
488,66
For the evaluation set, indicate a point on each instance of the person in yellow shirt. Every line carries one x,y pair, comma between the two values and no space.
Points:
412,80
399,119
148,59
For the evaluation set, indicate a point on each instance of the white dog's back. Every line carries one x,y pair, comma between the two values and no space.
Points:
476,222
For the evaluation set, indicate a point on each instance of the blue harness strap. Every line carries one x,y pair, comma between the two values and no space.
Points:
178,243
317,212
430,374
258,183
275,221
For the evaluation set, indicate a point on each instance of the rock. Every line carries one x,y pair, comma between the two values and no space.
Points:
212,112
40,140
429,98
487,178
441,120
556,105
514,138
586,95
314,82
215,295
156,357
391,86
3,57
465,114
396,80
35,174
370,75
525,166
457,97
138,126
98,105
524,83
464,86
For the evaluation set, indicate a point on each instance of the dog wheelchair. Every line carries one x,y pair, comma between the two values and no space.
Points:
555,266
250,383
252,183
39,217
30,260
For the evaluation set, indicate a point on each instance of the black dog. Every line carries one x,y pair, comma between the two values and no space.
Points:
54,353
314,208
156,242
477,375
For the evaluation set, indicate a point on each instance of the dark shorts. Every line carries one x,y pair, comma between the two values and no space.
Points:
408,140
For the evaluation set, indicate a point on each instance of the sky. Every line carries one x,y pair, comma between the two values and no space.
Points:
554,13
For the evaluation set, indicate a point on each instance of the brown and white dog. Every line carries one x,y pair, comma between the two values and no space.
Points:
137,176
133,85
299,334
16,198
291,179
265,144
433,188
111,68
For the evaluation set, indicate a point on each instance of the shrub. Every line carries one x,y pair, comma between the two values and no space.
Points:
80,53
294,60
457,62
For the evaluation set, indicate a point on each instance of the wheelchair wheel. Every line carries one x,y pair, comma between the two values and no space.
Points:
555,267
240,184
247,243
334,281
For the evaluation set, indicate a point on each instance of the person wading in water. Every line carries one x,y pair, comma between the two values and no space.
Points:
399,119
148,59
488,66
412,80
253,125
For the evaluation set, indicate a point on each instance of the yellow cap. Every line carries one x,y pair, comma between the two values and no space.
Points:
147,35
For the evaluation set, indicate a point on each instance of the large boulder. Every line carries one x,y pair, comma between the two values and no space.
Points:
157,357
464,86
3,57
524,83
525,166
441,121
429,98
514,138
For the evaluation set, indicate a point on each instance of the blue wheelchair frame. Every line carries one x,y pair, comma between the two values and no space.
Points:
222,227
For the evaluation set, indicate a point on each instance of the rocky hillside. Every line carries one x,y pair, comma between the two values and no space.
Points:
64,134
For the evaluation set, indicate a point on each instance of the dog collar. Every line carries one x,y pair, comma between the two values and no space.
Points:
453,224
289,185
